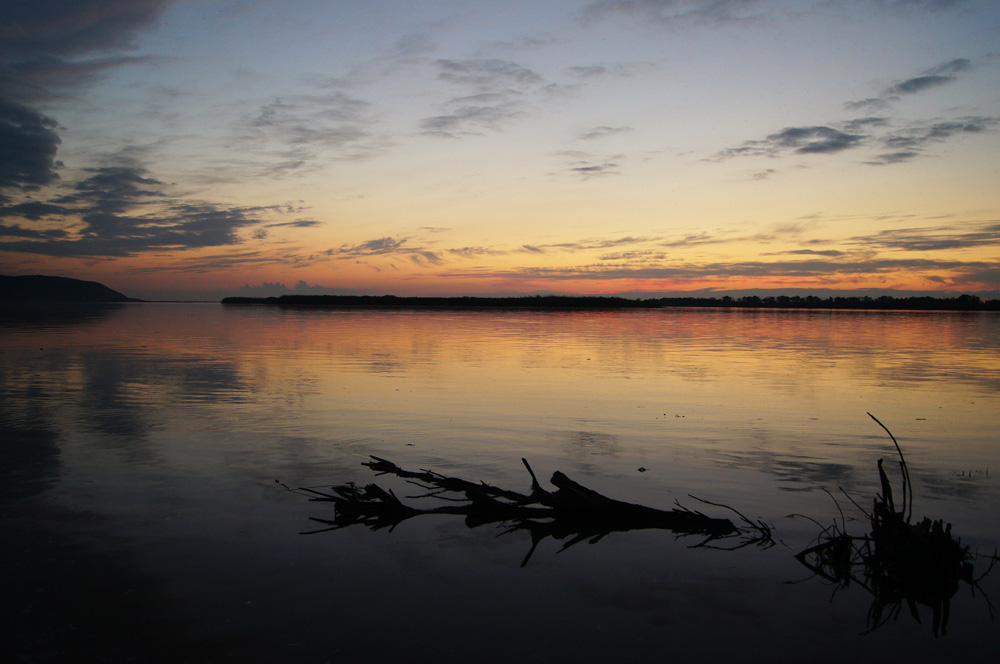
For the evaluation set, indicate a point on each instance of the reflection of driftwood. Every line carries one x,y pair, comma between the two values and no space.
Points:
898,562
572,512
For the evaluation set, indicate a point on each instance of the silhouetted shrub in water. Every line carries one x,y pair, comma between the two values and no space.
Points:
898,562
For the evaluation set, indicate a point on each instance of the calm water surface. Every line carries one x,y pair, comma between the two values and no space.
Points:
142,520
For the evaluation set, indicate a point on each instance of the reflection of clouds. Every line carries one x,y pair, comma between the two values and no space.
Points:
592,443
199,379
108,402
938,487
117,394
120,393
911,371
799,473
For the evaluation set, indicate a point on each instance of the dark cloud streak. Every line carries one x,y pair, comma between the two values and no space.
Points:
932,78
28,144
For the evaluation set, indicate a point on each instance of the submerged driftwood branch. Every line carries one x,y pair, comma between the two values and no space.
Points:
900,563
572,512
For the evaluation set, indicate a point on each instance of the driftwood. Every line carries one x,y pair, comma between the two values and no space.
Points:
572,512
898,562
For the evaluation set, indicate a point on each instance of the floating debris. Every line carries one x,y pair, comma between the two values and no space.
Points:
572,512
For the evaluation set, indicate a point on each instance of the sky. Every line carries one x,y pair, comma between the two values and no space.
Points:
192,149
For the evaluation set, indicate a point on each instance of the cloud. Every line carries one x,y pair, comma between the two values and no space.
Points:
33,210
121,211
74,27
813,140
495,95
601,132
212,262
17,231
938,238
593,244
475,252
113,189
28,144
424,258
387,246
467,120
932,78
673,11
605,70
586,165
901,143
870,104
945,73
887,158
486,74
679,272
693,240
301,129
302,223
46,47
377,247
906,143
800,140
589,71
633,256
830,253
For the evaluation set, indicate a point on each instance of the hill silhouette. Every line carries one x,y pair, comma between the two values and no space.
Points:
41,288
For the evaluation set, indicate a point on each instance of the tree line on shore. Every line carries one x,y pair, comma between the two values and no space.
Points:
963,302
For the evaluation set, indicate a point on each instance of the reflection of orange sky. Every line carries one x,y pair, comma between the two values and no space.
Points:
441,339
617,372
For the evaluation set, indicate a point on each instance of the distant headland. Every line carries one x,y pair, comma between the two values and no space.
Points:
885,302
41,288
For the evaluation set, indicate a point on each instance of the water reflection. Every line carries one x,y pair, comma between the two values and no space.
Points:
157,431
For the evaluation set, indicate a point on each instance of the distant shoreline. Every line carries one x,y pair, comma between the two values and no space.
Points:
596,302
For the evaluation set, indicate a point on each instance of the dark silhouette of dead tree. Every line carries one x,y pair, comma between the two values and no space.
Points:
573,512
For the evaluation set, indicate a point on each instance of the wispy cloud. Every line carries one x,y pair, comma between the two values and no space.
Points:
946,72
494,96
294,132
935,238
387,247
898,142
674,11
377,247
812,271
601,132
465,119
301,223
932,78
586,165
801,140
486,74
907,142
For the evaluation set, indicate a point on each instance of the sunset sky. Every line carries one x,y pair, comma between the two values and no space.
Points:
196,149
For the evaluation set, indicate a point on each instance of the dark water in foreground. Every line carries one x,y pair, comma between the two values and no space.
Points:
141,520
